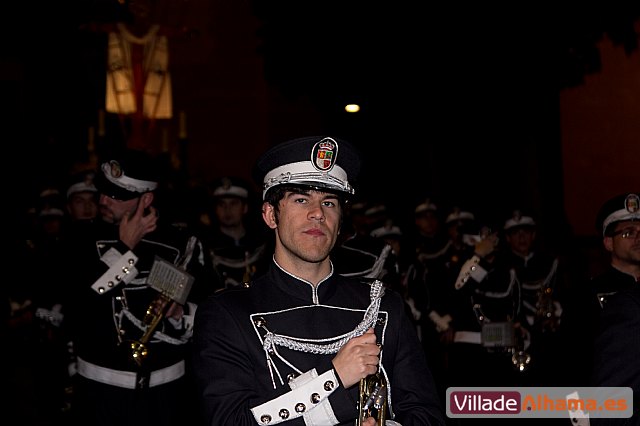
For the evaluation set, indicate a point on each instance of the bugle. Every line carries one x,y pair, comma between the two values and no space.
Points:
172,284
372,400
520,358
155,313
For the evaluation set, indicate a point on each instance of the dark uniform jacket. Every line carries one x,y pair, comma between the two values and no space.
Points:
486,292
580,322
538,277
609,282
236,262
486,311
243,379
110,295
366,257
617,346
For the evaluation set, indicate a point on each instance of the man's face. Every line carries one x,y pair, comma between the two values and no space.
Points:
624,243
83,205
307,225
112,210
427,223
230,211
521,239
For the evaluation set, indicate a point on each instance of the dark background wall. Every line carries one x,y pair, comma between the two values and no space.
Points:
490,109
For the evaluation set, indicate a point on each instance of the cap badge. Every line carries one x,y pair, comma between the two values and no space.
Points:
632,203
226,183
115,169
88,180
324,154
517,215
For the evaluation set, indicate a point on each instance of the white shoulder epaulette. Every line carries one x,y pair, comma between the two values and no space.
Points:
470,269
121,269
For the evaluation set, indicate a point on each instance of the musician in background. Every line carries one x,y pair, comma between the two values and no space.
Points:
617,216
488,321
542,279
82,198
357,253
237,242
33,346
128,372
617,337
294,345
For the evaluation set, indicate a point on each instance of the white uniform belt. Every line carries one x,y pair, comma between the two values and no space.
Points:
468,337
127,379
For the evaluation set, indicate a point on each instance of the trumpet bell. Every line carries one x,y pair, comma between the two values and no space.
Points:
521,360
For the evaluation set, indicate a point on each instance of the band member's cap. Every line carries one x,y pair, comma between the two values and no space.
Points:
229,187
82,183
51,212
457,216
424,207
387,231
317,162
518,220
620,208
127,176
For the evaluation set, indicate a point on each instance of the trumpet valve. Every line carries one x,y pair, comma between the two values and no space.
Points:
373,399
139,352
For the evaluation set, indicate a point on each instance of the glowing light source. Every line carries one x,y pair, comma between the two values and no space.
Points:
352,108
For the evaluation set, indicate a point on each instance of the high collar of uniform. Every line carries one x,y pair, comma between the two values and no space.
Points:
300,288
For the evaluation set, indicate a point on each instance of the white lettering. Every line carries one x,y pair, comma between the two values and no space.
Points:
458,405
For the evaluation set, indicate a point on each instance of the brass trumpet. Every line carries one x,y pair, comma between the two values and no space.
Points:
373,399
153,316
172,284
520,358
